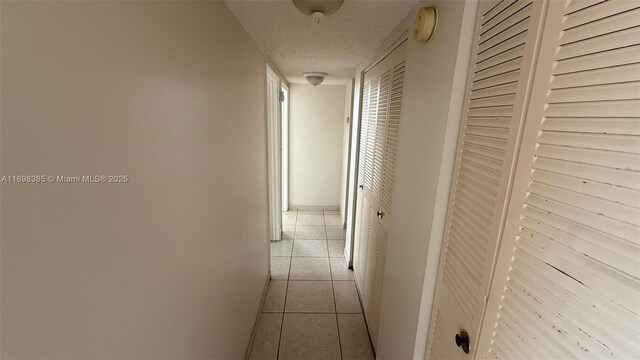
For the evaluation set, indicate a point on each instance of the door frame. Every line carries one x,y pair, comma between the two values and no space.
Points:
284,113
351,87
274,156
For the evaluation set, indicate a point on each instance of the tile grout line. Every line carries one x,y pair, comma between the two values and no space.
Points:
312,313
286,291
288,279
285,300
294,280
333,291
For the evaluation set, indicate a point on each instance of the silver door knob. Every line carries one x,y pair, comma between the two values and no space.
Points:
380,214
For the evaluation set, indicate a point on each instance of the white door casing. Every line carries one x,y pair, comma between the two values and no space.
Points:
284,101
274,135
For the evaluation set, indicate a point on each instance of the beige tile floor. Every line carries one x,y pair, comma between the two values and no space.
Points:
311,310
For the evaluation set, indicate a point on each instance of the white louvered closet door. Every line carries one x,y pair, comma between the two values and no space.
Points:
567,280
505,42
361,222
381,104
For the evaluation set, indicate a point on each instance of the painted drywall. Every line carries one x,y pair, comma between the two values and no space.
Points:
433,95
435,78
348,109
171,94
316,126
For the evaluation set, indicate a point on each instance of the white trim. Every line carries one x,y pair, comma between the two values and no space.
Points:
273,154
346,158
285,147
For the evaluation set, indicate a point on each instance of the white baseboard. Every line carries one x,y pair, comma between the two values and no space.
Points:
315,207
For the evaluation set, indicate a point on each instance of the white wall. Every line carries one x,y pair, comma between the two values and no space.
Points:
315,144
434,90
173,263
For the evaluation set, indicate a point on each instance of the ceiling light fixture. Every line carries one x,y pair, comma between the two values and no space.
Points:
315,78
318,9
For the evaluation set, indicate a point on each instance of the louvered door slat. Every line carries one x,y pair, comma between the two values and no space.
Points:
518,27
598,12
588,171
392,133
596,60
506,34
361,230
620,73
596,244
578,5
574,293
622,126
371,118
619,22
503,50
380,127
569,267
380,253
502,11
364,129
501,79
364,278
497,66
369,262
518,16
610,41
615,194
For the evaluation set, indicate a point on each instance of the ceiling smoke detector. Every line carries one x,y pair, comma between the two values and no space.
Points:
315,78
318,9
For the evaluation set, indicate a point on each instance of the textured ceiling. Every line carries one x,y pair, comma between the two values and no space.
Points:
295,44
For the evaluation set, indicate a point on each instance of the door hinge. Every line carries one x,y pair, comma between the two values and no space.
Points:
281,96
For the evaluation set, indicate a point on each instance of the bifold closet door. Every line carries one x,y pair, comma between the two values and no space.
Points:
506,36
380,123
567,280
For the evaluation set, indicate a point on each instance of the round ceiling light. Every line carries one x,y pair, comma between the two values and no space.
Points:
315,78
327,7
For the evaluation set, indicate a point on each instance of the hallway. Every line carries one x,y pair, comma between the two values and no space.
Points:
311,310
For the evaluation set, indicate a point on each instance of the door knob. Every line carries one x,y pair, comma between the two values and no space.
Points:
361,186
380,214
462,340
